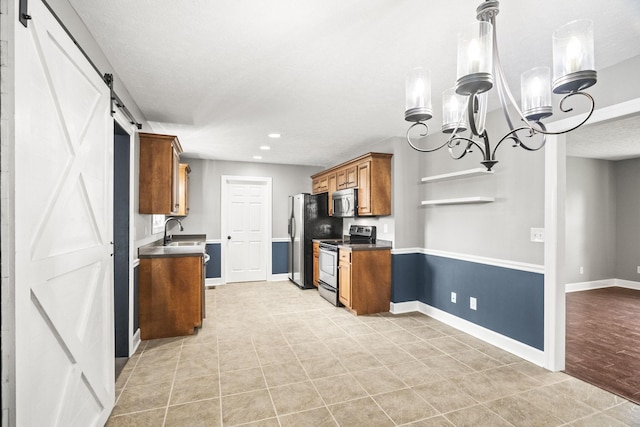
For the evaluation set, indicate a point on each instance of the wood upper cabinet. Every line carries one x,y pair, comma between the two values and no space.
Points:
316,263
374,185
365,280
333,186
370,174
320,185
159,170
183,189
347,177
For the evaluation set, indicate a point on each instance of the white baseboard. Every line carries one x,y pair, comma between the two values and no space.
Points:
213,281
135,342
517,348
629,284
599,284
403,307
586,286
279,277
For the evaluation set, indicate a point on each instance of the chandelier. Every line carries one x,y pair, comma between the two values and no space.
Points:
465,106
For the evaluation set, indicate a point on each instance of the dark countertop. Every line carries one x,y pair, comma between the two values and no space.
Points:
379,245
343,243
182,245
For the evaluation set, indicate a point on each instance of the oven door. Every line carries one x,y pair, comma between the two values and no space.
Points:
328,266
328,293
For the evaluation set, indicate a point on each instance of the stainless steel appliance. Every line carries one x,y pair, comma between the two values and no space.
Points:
308,219
345,203
328,266
329,283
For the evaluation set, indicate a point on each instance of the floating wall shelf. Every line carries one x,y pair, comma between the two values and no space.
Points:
458,201
454,175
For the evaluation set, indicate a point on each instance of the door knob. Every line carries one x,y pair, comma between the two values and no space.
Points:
228,237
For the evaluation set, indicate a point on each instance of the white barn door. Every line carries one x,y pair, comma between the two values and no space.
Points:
63,224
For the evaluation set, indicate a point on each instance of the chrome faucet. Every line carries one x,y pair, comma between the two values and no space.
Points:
167,239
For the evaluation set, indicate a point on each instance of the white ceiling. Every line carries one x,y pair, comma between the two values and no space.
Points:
326,74
611,140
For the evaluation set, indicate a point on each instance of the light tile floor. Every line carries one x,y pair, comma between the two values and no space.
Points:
270,354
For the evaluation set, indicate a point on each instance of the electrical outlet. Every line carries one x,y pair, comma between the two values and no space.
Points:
385,228
581,270
453,297
639,269
473,303
537,235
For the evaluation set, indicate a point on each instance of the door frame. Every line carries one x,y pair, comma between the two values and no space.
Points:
224,183
124,123
554,247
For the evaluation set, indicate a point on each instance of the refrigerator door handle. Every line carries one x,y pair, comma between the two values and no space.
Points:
293,228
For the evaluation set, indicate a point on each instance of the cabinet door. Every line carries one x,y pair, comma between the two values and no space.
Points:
351,176
316,263
333,186
344,289
341,179
183,189
364,188
158,179
174,179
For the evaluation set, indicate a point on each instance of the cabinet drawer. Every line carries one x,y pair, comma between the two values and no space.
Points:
345,256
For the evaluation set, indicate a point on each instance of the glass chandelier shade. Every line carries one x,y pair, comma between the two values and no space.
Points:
453,111
418,95
535,91
475,59
573,58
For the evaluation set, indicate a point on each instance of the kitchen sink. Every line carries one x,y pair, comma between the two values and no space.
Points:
184,244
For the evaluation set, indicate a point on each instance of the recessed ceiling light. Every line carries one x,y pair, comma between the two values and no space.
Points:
274,135
257,157
265,147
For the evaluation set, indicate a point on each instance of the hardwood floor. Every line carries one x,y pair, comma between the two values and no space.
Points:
603,339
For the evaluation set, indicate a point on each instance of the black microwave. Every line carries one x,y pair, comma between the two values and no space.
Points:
345,203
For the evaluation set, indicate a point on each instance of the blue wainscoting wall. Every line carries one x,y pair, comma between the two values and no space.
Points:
510,301
213,266
278,259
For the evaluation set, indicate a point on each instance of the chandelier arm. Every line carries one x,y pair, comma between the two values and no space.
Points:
456,139
533,132
422,150
512,135
544,131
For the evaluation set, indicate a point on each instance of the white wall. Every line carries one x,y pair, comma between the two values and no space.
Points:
627,260
590,220
500,229
204,192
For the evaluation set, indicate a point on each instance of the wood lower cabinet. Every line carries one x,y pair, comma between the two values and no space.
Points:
170,296
344,277
159,170
183,189
365,280
316,263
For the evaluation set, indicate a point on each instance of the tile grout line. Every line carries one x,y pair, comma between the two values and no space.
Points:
175,372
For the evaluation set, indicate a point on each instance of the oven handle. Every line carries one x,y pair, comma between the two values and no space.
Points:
327,286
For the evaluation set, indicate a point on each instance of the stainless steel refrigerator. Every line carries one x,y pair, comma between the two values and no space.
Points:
308,219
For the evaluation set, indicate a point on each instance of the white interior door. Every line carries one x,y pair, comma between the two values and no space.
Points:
64,351
246,237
